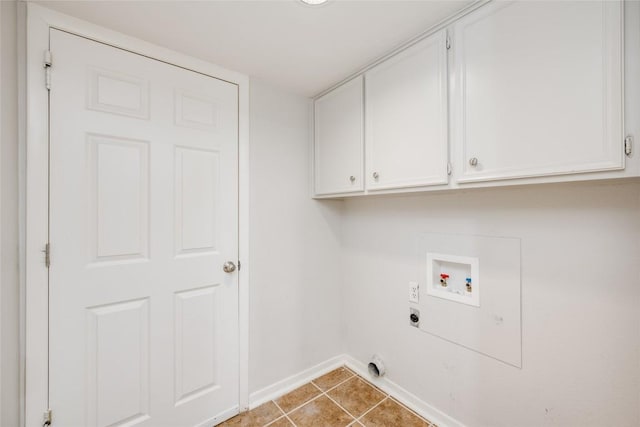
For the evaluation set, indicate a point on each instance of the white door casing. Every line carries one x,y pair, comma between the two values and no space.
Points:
143,214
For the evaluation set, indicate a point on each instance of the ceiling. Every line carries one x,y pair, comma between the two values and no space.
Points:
304,49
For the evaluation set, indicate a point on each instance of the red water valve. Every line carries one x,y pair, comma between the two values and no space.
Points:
443,279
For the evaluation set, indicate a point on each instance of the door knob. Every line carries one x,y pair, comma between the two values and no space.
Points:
473,161
229,267
376,175
352,178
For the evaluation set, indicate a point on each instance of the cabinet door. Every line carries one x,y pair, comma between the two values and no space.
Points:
338,140
406,117
538,90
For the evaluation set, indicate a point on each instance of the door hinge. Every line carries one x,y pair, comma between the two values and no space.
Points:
239,265
628,145
449,168
47,418
47,255
47,69
448,43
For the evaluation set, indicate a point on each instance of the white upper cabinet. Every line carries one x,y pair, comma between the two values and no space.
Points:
406,117
537,91
531,91
338,139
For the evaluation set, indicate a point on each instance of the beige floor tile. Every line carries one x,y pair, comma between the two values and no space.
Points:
333,378
390,413
353,396
281,422
356,396
321,412
259,416
297,397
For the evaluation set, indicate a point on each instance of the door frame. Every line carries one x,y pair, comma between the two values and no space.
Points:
36,193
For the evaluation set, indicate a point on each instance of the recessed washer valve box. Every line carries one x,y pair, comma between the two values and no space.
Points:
453,277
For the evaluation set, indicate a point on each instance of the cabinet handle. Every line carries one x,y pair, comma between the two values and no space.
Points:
376,175
352,178
473,161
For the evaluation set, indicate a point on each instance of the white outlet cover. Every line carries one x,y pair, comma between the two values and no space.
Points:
414,292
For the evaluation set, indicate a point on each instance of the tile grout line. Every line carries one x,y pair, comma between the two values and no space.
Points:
411,410
334,386
285,414
279,409
354,420
341,407
316,386
273,422
301,405
337,385
357,419
373,386
290,420
387,397
322,393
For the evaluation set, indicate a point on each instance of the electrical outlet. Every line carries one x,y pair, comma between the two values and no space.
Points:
413,292
414,317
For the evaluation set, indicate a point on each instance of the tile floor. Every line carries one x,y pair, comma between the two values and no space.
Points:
337,399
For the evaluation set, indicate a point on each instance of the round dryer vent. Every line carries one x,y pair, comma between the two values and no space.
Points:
376,366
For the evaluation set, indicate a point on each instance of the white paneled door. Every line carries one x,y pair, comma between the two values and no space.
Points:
143,215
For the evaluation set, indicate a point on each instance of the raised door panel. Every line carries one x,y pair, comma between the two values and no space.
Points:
196,189
538,90
119,197
339,141
118,363
197,348
118,93
406,140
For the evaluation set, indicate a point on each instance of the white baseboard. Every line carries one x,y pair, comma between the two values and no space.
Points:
288,384
401,395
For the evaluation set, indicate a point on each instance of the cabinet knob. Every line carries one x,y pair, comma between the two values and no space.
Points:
352,178
376,175
473,161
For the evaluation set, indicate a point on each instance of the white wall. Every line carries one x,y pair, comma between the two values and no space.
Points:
295,295
329,277
580,303
9,289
